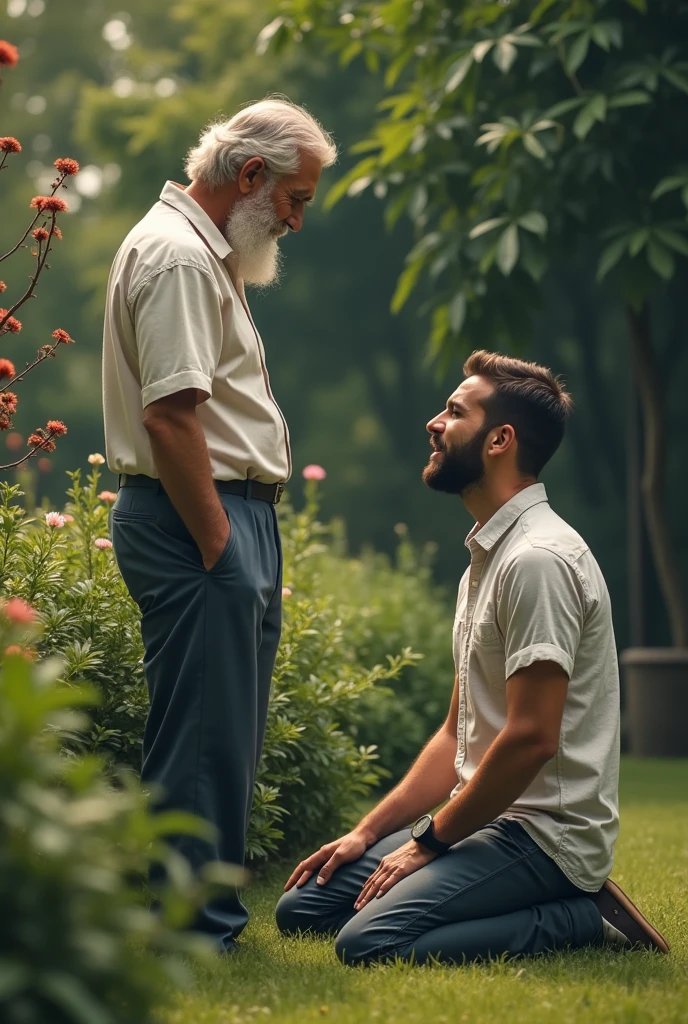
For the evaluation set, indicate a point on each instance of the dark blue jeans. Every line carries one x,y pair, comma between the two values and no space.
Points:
210,640
494,893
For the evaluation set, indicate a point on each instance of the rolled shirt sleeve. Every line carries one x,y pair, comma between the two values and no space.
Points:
541,610
177,315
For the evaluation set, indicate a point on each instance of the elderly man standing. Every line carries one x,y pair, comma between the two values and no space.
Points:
202,449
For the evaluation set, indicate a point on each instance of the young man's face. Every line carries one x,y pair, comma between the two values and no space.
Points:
457,436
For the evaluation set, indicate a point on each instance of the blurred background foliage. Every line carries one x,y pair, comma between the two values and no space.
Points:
125,89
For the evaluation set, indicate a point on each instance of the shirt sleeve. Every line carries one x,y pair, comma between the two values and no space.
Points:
541,611
177,317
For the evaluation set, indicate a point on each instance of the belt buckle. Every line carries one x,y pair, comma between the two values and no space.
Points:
278,493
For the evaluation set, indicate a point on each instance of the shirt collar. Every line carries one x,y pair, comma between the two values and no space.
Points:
175,195
505,517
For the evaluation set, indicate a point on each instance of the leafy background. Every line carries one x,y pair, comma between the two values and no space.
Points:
126,90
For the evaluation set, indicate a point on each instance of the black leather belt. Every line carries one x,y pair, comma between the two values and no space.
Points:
245,488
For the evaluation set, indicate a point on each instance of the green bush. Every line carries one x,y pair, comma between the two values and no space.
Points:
397,604
313,772
78,944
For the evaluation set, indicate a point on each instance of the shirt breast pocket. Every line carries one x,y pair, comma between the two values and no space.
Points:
487,648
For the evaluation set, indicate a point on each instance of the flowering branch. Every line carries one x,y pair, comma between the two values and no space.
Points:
46,207
67,168
46,352
40,441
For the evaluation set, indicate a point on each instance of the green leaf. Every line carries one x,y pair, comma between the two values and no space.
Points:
675,79
13,978
534,221
73,998
595,110
640,5
669,184
611,256
350,52
661,260
507,250
457,72
675,241
405,285
630,99
340,189
358,186
534,146
397,66
504,55
457,312
638,240
481,49
372,59
563,108
607,33
486,225
578,53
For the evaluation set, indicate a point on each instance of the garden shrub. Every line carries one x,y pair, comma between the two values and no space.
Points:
313,771
397,604
78,944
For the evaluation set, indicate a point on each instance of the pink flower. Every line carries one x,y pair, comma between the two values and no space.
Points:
314,472
103,543
67,518
286,592
107,496
17,611
54,519
96,459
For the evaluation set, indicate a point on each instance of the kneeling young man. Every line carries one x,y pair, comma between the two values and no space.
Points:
517,861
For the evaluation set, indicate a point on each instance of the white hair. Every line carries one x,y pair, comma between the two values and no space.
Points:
274,129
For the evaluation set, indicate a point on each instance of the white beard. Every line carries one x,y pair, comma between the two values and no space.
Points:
252,231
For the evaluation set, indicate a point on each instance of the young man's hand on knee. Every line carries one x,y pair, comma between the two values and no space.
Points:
328,858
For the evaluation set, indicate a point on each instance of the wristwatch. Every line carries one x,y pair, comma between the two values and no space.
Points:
424,833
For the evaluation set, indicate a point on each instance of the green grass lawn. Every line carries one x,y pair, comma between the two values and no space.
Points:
288,981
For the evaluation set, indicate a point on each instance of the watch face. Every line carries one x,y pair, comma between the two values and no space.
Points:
421,826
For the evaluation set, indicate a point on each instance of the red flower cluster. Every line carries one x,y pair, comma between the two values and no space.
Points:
6,368
8,144
8,406
62,337
11,325
48,204
41,234
56,428
38,440
66,165
9,54
57,234
19,612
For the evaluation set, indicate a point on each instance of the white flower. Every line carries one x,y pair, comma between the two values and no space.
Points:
96,459
54,519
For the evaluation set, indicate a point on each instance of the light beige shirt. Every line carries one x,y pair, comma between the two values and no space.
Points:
176,317
534,592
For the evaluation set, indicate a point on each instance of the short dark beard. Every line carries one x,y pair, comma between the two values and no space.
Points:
459,469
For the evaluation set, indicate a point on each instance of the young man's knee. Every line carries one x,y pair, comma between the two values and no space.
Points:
289,913
357,947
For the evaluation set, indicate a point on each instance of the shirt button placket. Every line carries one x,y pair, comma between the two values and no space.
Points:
473,585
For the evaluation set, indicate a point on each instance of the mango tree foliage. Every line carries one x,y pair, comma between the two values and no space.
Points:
514,135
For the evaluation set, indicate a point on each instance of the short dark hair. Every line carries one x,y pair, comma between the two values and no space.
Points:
530,398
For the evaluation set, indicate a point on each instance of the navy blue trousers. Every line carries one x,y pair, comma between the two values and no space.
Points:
210,640
495,893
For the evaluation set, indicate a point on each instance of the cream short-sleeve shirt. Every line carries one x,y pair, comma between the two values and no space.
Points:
534,592
176,317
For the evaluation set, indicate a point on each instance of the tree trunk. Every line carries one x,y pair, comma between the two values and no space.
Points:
653,405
